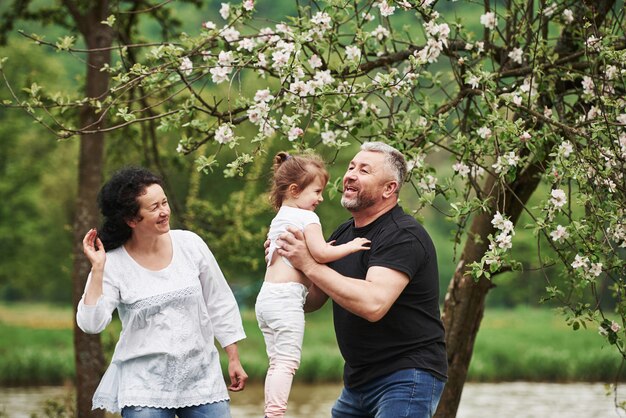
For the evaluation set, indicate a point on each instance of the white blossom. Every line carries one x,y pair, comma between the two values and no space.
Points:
329,137
500,222
588,85
484,132
353,53
280,58
322,21
208,25
525,136
611,72
568,16
580,261
593,43
300,88
461,168
516,55
246,43
225,58
219,74
473,80
230,34
186,66
547,112
248,5
595,269
258,112
489,20
385,8
511,159
225,10
560,234
615,326
594,112
294,133
566,148
558,198
380,32
427,183
263,96
224,134
315,61
504,240
431,51
368,16
323,78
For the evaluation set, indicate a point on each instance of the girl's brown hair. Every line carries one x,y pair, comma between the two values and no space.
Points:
300,170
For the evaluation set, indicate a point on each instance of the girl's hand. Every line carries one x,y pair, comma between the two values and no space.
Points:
93,249
359,244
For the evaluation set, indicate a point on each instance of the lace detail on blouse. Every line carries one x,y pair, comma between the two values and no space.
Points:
162,299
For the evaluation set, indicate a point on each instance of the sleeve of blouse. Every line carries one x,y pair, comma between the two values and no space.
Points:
93,319
219,299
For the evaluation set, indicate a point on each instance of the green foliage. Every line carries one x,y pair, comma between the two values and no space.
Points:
36,188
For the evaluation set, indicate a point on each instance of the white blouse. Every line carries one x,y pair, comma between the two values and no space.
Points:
166,355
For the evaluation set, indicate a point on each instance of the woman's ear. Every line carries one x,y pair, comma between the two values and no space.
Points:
132,223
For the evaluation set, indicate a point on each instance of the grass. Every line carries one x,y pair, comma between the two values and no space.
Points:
519,344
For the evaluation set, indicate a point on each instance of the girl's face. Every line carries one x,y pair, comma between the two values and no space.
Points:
308,198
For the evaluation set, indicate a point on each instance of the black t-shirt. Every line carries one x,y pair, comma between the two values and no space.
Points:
411,334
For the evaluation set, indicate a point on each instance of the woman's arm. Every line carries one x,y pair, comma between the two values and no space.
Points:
323,252
95,309
238,376
94,250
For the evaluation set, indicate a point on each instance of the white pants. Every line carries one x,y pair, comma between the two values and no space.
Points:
280,314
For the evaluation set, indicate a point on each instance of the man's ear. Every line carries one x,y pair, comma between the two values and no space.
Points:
391,187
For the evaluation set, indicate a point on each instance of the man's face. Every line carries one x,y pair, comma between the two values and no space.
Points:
364,181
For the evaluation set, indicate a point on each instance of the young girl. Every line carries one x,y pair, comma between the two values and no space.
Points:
296,191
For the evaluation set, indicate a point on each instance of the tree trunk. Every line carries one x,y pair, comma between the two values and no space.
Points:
464,303
88,349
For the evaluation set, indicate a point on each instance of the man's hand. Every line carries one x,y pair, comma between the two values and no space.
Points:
292,246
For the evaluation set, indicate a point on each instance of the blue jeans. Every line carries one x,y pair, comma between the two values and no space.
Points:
208,410
411,393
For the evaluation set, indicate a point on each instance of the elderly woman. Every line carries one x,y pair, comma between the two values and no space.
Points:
173,302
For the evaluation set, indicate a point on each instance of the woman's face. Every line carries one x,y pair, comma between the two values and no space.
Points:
153,217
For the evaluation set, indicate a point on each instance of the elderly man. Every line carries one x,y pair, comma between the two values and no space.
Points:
385,300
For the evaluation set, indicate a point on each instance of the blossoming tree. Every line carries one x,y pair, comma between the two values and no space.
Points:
525,97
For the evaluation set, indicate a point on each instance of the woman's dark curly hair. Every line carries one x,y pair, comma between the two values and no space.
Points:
118,203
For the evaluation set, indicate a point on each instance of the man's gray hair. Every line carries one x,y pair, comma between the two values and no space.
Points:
394,160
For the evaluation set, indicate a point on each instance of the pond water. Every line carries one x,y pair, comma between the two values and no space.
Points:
484,400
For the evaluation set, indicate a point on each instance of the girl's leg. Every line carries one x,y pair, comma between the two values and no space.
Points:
282,324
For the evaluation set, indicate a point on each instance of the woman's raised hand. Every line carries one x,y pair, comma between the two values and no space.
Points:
93,249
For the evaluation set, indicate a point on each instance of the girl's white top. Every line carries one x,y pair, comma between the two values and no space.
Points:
166,355
288,216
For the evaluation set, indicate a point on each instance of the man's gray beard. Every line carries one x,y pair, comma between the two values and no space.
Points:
359,203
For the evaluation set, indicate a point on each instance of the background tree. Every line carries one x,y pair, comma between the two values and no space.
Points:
89,19
512,112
